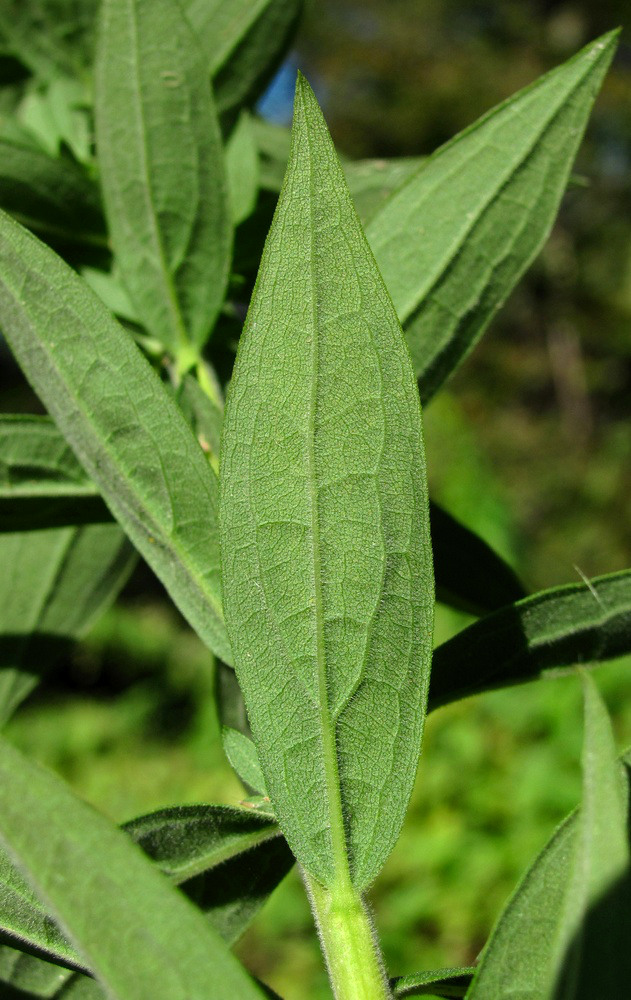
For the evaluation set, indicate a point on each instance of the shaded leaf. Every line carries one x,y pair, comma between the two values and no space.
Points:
454,240
138,934
161,165
470,575
559,902
127,431
438,982
53,586
52,196
226,860
23,976
244,42
325,534
564,626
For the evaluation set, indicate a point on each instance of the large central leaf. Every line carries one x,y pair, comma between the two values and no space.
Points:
325,539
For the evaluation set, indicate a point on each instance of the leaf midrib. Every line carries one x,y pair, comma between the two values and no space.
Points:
341,866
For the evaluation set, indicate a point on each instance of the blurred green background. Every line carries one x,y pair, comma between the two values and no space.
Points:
530,445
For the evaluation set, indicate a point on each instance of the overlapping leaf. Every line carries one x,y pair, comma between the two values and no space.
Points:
126,429
137,933
453,241
580,623
325,535
54,197
226,860
243,41
564,933
448,983
161,163
53,586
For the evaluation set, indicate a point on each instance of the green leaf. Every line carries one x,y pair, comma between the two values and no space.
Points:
561,627
470,575
58,116
127,431
371,182
242,166
454,240
23,976
243,41
226,860
52,196
136,932
53,586
36,460
244,758
161,161
325,537
590,955
562,893
204,413
437,983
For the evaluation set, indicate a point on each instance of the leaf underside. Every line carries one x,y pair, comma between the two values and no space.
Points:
325,543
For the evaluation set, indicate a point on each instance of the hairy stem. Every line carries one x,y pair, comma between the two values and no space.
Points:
348,942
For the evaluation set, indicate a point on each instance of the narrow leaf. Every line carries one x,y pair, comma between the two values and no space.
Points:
325,535
128,433
161,162
561,892
470,575
244,758
447,983
53,586
243,41
23,976
136,932
242,166
52,196
561,627
590,954
454,240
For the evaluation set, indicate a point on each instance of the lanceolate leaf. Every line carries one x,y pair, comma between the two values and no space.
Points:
122,423
325,540
562,892
137,933
453,241
161,161
580,623
53,585
590,954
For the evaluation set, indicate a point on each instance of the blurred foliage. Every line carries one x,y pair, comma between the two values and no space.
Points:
547,392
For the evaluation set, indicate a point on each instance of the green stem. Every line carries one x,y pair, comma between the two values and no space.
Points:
348,941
